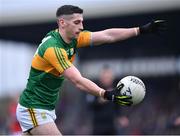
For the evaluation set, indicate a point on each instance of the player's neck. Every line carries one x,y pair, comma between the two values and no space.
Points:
64,36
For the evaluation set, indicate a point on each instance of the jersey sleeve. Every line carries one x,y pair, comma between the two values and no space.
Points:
84,39
58,58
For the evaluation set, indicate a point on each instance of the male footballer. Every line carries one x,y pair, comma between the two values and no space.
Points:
53,62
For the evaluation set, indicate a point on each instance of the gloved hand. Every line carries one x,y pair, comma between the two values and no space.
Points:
156,26
116,96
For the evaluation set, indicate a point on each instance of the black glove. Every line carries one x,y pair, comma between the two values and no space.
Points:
157,26
116,96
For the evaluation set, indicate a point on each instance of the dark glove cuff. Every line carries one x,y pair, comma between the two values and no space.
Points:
108,95
141,30
144,29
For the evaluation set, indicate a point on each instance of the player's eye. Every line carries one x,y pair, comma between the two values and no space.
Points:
77,22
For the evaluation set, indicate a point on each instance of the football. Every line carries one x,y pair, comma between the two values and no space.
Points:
133,86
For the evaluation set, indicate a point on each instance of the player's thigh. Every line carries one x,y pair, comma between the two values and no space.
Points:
46,129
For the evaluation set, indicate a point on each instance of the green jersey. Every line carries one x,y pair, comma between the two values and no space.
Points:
52,57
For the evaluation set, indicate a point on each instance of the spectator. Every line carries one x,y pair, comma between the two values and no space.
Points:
103,111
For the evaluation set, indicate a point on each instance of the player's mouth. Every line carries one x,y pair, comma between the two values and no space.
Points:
77,33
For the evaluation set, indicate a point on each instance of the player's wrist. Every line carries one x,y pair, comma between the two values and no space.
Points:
101,93
136,31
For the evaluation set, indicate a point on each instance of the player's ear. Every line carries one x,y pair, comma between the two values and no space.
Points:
61,22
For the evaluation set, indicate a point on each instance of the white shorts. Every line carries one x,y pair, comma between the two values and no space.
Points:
29,117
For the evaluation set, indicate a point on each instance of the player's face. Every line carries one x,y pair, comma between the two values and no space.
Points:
106,78
74,25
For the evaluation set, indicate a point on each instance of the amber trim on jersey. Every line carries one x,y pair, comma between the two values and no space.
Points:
61,58
40,64
54,61
33,117
84,39
58,58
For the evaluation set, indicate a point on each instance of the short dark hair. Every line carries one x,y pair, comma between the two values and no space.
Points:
68,10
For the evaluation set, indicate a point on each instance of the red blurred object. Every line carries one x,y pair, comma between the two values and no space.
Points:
14,126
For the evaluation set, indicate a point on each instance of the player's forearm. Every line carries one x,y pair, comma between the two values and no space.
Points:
90,87
119,34
113,35
82,83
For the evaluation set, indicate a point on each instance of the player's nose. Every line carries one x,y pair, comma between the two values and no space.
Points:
81,27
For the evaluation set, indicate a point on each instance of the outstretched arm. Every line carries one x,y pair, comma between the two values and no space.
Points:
119,34
113,35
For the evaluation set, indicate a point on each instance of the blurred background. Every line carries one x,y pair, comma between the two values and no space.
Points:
153,58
